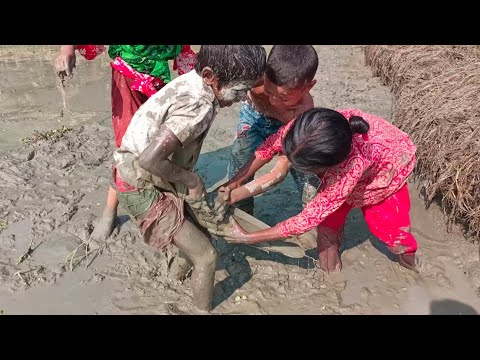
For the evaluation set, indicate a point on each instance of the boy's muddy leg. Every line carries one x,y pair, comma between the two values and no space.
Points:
198,248
180,267
106,224
329,242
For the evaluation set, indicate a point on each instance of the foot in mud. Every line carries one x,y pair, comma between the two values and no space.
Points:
104,228
197,311
179,269
409,261
329,259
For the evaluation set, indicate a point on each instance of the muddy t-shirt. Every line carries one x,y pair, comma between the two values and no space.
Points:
187,107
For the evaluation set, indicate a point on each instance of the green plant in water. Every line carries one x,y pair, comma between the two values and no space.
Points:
46,135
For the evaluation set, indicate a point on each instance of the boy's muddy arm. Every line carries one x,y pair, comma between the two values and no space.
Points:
155,160
247,171
65,61
263,183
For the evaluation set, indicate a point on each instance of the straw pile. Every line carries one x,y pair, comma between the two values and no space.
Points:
437,102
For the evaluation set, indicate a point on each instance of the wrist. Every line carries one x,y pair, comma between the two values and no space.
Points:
68,49
195,181
233,197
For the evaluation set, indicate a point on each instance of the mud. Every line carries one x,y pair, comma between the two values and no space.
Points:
53,191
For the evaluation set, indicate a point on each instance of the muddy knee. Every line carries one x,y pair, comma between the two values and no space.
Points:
209,258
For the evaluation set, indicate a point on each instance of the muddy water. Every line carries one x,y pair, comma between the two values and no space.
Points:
52,192
30,97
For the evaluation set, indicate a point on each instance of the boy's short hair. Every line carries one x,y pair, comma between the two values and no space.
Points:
292,65
232,62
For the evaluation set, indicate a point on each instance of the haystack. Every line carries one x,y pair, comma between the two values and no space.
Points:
437,102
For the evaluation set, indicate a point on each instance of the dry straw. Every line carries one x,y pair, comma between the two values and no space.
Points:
437,102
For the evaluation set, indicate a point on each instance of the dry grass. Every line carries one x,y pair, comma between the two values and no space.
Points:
437,102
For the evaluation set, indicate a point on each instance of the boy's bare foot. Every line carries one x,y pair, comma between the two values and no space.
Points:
104,228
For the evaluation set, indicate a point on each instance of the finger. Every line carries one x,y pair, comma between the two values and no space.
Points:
226,193
224,185
235,228
70,66
231,239
58,66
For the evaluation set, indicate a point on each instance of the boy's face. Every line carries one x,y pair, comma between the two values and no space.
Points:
230,93
282,96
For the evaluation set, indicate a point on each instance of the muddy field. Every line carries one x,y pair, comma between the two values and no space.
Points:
52,192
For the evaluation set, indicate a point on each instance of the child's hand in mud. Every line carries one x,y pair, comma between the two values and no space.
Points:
224,192
213,220
196,193
65,62
200,207
230,192
232,185
222,202
236,234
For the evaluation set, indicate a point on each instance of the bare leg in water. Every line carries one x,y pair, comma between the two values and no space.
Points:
181,265
106,224
329,243
198,249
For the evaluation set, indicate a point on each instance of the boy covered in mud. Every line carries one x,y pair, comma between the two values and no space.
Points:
138,72
154,165
283,94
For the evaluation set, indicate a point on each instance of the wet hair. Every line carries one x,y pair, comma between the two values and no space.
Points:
321,138
232,62
292,65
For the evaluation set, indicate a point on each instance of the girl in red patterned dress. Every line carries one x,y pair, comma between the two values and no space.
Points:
362,161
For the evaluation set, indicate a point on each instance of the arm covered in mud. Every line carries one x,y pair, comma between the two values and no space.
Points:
255,187
337,185
263,155
66,60
247,171
263,183
237,234
155,160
